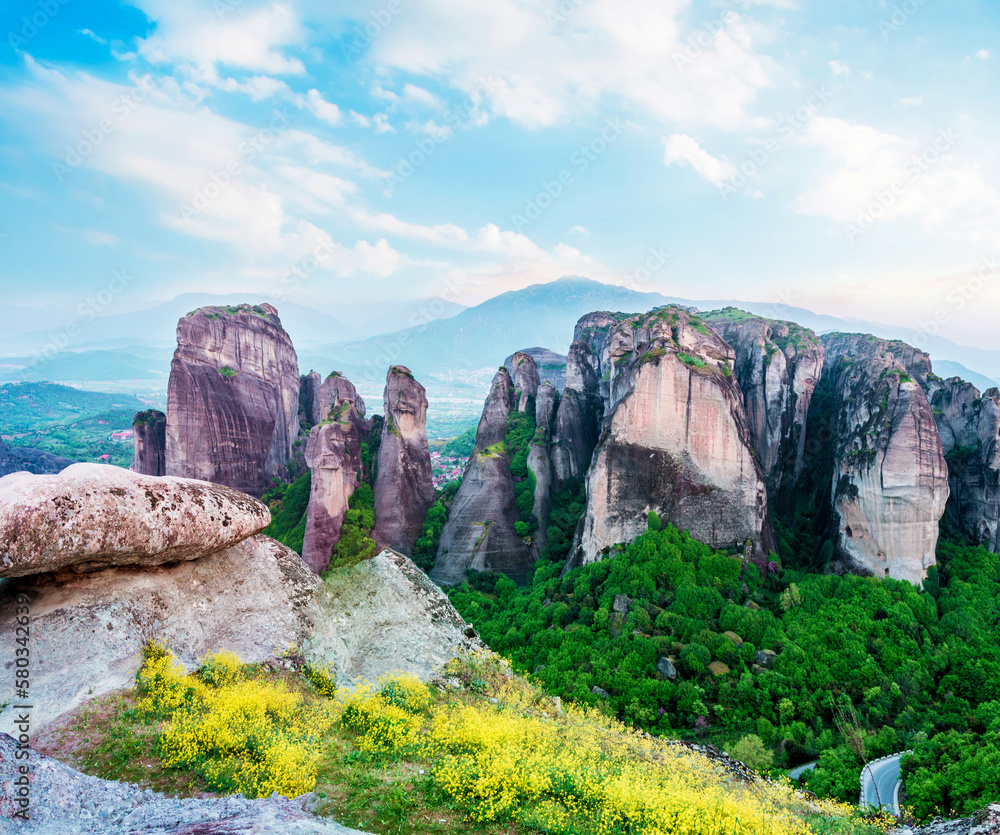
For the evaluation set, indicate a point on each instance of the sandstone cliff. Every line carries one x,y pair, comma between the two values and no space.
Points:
404,490
149,439
333,455
232,398
540,464
524,376
890,480
51,522
676,438
480,530
778,365
337,392
578,418
969,425
310,409
551,366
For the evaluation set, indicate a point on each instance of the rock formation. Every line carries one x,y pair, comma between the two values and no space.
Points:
551,366
382,615
778,365
333,455
578,418
480,530
404,490
969,425
16,459
309,402
540,463
890,480
149,437
48,522
524,376
337,391
232,398
63,800
88,629
676,439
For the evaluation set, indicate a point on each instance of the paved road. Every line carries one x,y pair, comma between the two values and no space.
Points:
884,773
795,773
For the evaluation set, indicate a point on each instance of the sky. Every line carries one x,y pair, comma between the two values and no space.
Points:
835,156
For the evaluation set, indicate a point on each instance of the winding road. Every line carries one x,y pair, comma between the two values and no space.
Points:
885,774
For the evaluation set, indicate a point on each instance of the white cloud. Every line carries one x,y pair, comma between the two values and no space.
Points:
540,74
187,34
580,230
361,120
420,95
912,101
258,88
679,147
92,35
921,179
430,127
382,125
839,67
322,109
982,54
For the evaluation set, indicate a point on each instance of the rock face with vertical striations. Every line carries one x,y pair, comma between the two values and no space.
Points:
676,439
333,455
524,375
778,365
540,463
577,423
309,403
551,366
404,490
480,530
232,398
149,438
890,480
969,425
337,390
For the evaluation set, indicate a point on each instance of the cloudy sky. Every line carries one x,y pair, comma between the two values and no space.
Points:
837,156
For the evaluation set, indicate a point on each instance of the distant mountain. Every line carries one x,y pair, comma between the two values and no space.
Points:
38,328
946,369
28,406
95,366
477,339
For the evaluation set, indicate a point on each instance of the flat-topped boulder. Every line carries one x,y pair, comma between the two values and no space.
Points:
93,516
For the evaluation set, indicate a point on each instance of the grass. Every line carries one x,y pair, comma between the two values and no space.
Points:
477,745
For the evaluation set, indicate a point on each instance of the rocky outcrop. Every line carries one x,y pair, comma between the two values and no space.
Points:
149,438
64,801
969,426
524,375
540,464
310,409
778,365
578,419
890,480
333,455
16,459
551,366
88,629
49,522
480,530
336,392
232,398
676,439
404,490
985,822
383,615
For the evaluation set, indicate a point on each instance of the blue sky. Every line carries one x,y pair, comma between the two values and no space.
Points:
837,156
